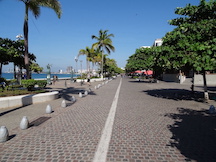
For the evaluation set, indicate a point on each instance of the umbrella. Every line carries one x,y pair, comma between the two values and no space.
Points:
148,72
138,71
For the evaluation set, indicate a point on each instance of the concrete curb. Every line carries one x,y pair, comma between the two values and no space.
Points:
23,100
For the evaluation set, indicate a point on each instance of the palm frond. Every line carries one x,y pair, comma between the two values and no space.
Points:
53,4
34,8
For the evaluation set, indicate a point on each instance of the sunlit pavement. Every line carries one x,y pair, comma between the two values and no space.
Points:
150,124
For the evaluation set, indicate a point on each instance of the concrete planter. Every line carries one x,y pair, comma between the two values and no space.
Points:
23,100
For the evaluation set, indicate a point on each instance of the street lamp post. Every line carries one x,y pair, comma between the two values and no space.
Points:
19,72
48,74
71,73
76,59
81,67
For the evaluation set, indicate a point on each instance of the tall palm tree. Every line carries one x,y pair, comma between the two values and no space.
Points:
34,7
104,42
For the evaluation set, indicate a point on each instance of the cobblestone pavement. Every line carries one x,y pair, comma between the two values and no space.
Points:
154,122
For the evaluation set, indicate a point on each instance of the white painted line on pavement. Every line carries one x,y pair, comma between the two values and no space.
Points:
103,146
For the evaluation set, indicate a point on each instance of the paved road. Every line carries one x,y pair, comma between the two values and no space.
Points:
144,121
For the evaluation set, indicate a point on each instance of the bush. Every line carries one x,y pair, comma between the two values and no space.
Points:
20,92
13,82
3,83
3,80
135,76
93,77
29,84
41,83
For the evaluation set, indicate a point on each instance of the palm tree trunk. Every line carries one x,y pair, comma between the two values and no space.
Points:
14,69
0,70
87,66
102,63
25,29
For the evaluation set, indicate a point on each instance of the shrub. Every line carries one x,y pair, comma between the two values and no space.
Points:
93,77
3,80
41,83
13,82
29,84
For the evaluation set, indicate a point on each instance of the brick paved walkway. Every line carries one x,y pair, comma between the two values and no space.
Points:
150,125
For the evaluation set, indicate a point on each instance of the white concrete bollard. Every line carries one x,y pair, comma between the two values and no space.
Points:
95,87
63,104
211,109
98,86
24,124
73,99
4,135
80,95
48,109
86,93
89,90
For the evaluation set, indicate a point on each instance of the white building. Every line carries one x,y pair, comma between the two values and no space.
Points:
145,47
157,42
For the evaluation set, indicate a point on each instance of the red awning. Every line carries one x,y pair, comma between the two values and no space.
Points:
138,71
148,72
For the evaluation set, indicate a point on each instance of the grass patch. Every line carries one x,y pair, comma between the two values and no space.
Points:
17,92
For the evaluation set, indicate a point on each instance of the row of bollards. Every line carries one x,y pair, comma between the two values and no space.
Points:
102,84
24,124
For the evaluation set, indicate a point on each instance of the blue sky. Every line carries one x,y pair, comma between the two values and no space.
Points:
56,41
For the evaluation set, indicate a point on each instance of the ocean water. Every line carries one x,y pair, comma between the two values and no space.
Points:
39,76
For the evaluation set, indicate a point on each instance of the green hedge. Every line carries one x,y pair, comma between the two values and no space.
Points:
30,83
41,83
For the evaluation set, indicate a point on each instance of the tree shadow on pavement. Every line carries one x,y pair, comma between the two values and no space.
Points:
141,81
179,94
209,88
69,92
194,134
11,110
39,121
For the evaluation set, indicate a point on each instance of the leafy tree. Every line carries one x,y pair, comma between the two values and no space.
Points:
13,51
193,40
104,42
4,54
34,67
17,50
144,58
34,6
111,66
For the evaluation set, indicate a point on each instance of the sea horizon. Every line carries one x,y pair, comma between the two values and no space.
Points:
40,75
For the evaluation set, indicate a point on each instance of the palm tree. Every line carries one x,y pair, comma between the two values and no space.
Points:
104,42
89,52
34,6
